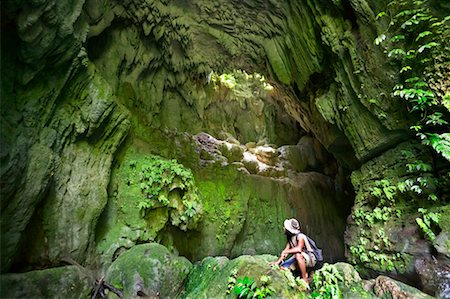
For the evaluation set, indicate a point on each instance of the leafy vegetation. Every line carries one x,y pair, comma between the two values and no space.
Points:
166,183
416,42
426,223
241,83
326,283
247,288
232,279
376,219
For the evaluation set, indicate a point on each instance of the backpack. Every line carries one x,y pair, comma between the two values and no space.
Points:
316,251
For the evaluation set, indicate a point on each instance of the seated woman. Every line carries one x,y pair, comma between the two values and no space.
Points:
297,245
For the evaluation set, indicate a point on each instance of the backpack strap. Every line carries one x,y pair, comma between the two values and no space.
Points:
306,241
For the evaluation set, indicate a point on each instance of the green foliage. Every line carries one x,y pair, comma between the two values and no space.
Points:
326,283
247,288
373,221
165,183
232,279
428,220
240,82
440,143
418,46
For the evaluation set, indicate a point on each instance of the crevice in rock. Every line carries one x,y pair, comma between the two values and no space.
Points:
32,249
349,14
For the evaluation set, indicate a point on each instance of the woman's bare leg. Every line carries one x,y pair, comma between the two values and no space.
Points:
302,265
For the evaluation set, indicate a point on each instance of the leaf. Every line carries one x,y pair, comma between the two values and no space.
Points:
423,34
381,14
416,189
244,292
379,39
436,119
432,197
427,46
440,143
405,69
404,13
397,38
401,186
396,52
412,79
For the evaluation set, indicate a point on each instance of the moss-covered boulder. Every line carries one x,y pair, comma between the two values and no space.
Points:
148,270
210,277
61,282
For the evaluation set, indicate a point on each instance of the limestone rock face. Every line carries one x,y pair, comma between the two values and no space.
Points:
299,83
242,213
68,166
49,33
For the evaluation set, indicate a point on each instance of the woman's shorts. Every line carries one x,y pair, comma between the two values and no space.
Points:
291,263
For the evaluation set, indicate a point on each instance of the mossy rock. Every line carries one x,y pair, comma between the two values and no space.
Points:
209,278
150,269
62,282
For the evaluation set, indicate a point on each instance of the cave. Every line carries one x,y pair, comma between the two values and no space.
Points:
159,147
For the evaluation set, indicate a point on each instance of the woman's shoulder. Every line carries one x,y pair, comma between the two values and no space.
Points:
301,236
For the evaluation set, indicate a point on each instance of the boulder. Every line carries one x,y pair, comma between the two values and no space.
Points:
348,272
345,276
148,269
388,287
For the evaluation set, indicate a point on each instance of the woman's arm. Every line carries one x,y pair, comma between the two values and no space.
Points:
282,256
296,249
